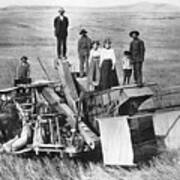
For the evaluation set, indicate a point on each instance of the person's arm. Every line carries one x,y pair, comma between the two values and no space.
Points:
130,47
29,71
55,24
90,43
142,50
101,58
90,56
67,22
131,51
79,45
131,60
113,57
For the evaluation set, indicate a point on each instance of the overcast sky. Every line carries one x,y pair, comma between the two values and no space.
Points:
88,3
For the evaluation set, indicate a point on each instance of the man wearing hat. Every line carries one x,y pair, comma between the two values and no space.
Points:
61,24
137,50
84,47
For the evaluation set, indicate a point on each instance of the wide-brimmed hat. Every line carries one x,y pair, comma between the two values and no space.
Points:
61,9
83,31
134,32
24,58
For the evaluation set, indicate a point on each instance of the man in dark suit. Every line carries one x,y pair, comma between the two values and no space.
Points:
61,24
137,50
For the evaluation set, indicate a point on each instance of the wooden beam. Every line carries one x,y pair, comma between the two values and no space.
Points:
90,137
58,130
59,106
43,68
67,82
51,128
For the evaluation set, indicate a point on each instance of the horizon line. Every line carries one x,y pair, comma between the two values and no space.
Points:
83,6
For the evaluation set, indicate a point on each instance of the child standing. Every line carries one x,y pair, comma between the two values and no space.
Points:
127,67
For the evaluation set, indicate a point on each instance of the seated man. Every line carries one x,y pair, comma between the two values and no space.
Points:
24,70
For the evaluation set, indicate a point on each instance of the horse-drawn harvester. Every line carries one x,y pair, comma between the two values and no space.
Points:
64,118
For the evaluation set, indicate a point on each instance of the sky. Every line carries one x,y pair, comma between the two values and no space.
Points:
88,3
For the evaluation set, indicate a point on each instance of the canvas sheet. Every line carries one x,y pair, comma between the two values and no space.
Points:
116,141
163,122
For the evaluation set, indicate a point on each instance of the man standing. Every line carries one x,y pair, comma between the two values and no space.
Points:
137,50
84,47
61,24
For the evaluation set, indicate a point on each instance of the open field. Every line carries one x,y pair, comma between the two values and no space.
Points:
29,31
166,167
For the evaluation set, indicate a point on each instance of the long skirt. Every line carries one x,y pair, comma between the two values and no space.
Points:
108,77
94,74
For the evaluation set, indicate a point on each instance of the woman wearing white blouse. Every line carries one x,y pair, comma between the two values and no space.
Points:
108,76
94,60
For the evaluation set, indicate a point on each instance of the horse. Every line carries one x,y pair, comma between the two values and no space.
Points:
9,121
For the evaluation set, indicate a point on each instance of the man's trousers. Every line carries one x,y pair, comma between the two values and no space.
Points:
61,46
138,74
84,64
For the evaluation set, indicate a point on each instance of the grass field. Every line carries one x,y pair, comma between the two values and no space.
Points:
29,31
166,167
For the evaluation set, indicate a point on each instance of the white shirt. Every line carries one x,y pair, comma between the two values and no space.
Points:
61,18
95,54
126,63
107,54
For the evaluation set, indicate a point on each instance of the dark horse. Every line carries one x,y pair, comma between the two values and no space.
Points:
9,121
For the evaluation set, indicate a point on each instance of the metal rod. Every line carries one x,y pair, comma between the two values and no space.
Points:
171,127
43,68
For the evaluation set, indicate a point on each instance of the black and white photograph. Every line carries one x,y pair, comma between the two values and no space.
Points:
89,90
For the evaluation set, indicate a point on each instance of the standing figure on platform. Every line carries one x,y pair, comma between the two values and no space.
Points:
23,69
137,50
127,67
108,75
84,47
94,60
61,24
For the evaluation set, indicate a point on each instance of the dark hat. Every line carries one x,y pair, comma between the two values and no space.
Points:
134,32
24,58
83,31
61,10
127,53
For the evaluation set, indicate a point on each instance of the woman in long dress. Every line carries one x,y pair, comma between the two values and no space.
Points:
94,60
108,76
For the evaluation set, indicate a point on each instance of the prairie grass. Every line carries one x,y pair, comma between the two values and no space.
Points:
166,167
